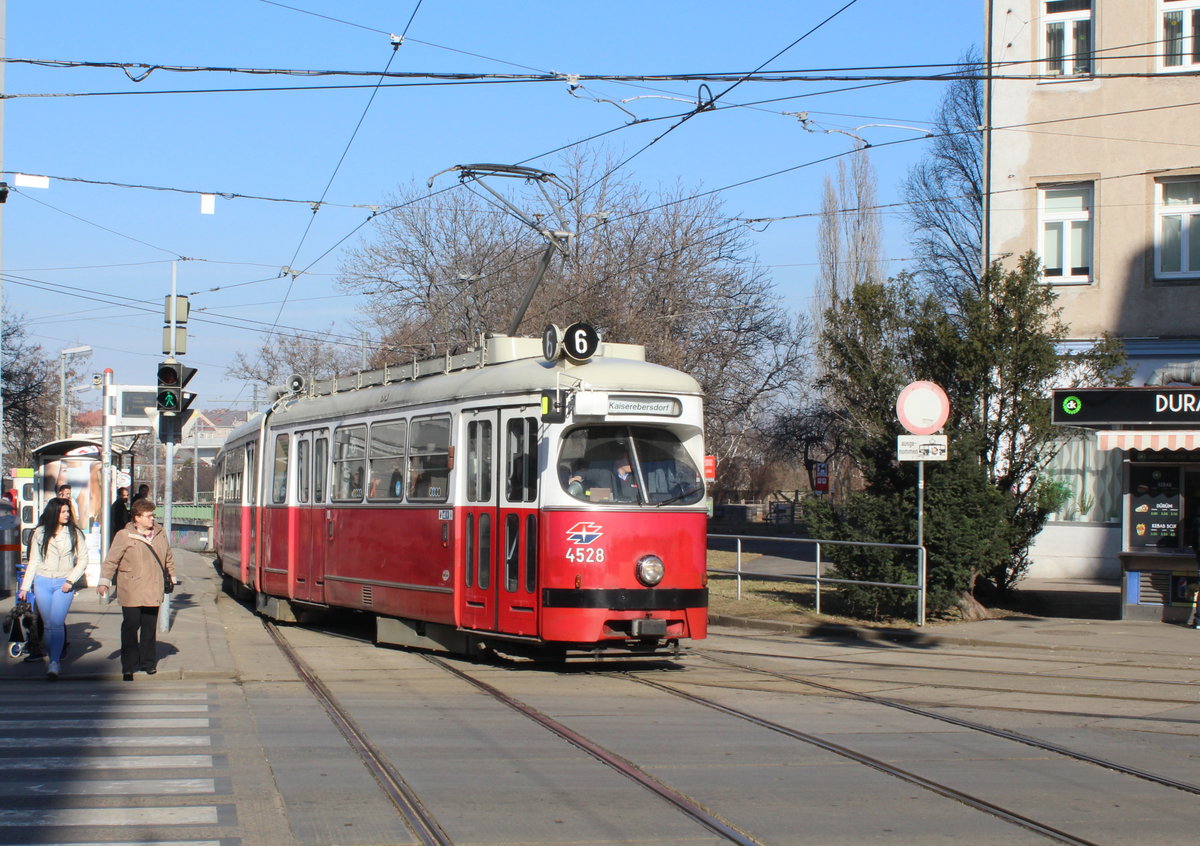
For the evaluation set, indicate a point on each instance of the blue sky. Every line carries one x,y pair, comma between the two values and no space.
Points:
105,251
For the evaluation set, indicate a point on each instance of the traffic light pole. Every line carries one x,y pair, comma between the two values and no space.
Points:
169,488
164,617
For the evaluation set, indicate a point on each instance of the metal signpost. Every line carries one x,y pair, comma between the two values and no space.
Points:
922,409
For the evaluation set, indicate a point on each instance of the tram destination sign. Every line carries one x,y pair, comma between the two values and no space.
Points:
1113,406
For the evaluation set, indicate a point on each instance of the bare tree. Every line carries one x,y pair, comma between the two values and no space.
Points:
666,270
280,356
944,191
849,236
31,391
848,247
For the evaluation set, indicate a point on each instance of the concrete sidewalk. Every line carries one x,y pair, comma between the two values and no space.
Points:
196,646
1114,637
203,623
1057,614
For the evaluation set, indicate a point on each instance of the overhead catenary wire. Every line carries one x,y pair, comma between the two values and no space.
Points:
747,220
614,130
709,103
975,70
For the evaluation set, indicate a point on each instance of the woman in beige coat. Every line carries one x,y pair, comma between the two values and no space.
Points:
137,559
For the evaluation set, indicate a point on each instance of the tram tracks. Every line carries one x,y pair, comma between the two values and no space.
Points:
1003,734
1028,674
939,788
695,809
627,768
417,816
877,674
420,821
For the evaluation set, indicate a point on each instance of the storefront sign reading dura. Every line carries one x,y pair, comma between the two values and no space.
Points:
1154,507
1115,406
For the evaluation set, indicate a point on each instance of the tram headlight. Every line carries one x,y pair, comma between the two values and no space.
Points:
650,570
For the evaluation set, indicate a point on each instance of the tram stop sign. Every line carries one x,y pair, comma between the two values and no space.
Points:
922,408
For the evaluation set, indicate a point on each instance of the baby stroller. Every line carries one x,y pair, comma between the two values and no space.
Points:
21,626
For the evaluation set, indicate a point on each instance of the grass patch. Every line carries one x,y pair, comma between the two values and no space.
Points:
762,599
776,599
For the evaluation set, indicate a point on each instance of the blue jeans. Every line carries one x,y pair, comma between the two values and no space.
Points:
53,605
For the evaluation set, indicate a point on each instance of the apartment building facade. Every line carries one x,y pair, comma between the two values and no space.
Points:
1093,160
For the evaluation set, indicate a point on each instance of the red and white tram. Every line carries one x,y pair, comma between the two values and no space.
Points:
513,497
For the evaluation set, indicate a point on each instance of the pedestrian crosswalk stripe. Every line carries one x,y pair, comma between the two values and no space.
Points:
93,817
110,762
131,708
115,723
33,740
92,700
134,843
112,787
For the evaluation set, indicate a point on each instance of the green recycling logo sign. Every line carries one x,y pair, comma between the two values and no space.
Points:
1072,404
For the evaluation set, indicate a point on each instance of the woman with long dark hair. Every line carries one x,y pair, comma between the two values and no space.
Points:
57,558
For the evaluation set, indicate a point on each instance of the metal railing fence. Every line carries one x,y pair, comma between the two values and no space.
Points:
818,579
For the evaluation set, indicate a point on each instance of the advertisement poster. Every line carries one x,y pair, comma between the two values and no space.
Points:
1155,513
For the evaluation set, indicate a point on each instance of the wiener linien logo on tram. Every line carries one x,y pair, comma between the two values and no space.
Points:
582,534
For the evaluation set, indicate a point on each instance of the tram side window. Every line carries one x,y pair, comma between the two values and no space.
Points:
320,462
479,461
520,447
304,471
387,460
429,459
251,475
349,460
234,462
279,473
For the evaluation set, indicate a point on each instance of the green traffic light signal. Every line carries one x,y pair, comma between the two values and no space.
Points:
172,376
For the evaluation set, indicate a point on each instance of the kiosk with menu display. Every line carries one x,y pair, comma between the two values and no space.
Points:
1158,430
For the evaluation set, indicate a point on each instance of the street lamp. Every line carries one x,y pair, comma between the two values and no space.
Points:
63,417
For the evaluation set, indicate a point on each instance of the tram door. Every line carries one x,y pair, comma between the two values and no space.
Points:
500,522
312,454
516,524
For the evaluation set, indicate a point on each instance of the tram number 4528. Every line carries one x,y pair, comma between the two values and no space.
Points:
585,554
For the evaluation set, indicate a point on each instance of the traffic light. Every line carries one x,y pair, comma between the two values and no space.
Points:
172,376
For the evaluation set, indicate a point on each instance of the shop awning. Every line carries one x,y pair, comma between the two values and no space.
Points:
1150,439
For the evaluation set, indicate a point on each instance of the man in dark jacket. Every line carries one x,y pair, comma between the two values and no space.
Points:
118,513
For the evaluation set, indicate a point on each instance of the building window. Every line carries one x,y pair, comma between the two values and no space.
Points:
1180,34
1177,236
1066,233
1068,49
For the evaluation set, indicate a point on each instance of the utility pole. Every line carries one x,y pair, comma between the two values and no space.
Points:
988,11
169,446
106,410
3,197
195,463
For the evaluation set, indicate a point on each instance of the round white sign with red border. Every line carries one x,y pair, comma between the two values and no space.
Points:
923,408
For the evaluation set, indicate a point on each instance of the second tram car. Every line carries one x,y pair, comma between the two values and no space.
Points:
516,497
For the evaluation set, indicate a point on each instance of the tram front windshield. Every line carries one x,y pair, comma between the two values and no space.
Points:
628,464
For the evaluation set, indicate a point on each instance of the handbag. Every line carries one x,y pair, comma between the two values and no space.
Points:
168,582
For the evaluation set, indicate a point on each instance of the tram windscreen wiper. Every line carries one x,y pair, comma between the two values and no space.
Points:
677,497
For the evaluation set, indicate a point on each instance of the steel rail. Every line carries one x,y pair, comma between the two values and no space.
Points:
627,768
1016,673
882,766
979,727
416,816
